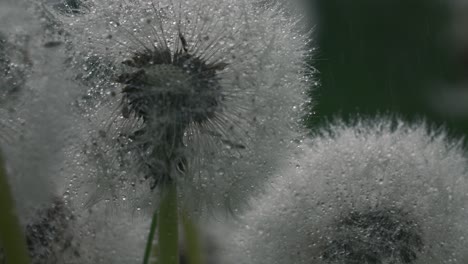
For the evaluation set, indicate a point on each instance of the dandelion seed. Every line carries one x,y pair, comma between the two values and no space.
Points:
372,192
209,90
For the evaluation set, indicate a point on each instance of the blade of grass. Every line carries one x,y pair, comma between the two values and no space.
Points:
11,235
149,242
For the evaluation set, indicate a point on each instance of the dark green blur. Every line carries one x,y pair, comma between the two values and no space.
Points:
384,57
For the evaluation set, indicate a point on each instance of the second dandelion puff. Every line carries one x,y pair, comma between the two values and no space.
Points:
377,191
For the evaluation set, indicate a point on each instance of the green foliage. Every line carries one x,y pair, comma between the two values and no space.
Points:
383,56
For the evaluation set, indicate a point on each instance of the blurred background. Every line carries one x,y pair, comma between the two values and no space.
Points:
407,58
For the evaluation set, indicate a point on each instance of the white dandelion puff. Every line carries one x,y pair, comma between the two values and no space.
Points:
374,192
33,106
34,127
210,90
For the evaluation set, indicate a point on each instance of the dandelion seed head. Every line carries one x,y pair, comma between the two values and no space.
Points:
183,88
168,94
375,191
217,86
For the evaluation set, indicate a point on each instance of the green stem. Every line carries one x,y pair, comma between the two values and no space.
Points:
168,232
149,242
11,235
192,239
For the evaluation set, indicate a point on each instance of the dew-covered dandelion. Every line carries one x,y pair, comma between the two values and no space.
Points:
203,93
374,192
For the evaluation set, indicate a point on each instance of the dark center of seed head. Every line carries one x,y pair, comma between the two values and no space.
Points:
178,89
168,92
374,237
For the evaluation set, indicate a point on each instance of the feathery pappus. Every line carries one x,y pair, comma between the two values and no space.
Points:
205,93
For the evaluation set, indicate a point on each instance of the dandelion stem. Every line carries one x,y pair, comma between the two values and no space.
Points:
11,236
168,235
192,240
149,242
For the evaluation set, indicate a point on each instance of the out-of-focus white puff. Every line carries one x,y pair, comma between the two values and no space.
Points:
374,192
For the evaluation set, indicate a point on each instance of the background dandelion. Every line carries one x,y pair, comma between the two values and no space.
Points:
33,125
374,192
34,128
